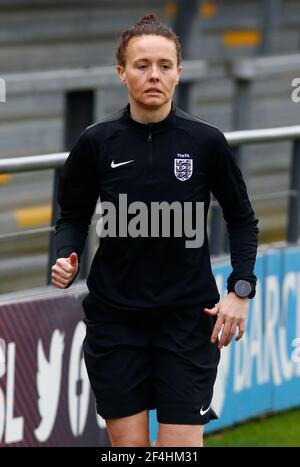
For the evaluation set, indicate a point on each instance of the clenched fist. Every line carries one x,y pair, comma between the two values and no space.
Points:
64,270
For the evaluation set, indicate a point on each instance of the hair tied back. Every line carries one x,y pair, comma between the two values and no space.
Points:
148,19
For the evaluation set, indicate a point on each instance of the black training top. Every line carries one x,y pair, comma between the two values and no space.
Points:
180,158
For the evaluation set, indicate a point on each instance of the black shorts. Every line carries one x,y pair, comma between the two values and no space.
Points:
156,359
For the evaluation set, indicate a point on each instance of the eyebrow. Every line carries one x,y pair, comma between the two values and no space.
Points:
147,60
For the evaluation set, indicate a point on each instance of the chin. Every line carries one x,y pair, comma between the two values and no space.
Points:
154,101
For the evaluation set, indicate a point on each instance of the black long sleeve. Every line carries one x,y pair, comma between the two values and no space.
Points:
228,187
77,197
182,159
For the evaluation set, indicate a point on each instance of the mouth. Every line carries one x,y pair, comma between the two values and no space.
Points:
153,91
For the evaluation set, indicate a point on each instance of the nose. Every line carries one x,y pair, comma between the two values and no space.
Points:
154,73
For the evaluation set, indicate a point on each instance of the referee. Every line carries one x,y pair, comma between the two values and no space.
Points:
155,324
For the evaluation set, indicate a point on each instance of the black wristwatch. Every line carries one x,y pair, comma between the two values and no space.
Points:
243,288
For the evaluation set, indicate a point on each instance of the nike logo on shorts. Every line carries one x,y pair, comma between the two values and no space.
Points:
113,165
203,412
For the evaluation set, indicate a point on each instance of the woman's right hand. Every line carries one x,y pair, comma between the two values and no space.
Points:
64,271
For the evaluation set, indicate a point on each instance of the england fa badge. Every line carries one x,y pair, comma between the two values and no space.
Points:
183,168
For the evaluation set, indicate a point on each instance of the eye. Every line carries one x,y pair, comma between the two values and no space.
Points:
141,67
165,67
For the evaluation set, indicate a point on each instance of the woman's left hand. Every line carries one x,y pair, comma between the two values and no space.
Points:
231,312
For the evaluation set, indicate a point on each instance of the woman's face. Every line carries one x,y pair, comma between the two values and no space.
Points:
151,72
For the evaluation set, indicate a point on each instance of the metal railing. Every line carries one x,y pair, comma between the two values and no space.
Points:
236,139
79,85
245,72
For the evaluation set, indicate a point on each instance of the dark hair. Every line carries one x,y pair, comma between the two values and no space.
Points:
149,25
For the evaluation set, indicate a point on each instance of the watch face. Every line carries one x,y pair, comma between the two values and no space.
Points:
242,288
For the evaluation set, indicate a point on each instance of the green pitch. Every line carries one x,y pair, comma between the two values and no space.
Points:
281,430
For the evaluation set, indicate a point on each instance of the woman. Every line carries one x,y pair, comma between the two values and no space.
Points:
153,313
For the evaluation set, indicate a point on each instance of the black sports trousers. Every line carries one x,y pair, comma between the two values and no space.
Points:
159,359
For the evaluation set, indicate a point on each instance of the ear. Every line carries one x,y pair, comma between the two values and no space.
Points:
121,73
179,70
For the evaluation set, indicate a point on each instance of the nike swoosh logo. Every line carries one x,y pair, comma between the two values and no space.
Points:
113,165
203,412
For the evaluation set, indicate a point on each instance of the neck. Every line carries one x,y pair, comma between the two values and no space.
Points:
146,115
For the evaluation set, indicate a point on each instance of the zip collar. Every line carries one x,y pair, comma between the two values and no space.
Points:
166,122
